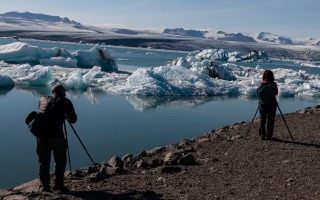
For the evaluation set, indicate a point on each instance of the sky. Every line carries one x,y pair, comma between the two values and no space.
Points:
293,18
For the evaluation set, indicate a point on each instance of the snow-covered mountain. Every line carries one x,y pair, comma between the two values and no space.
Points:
263,37
48,27
14,17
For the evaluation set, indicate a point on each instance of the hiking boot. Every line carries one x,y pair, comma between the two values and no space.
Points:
60,188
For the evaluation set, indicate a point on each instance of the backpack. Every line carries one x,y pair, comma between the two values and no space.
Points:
39,123
266,92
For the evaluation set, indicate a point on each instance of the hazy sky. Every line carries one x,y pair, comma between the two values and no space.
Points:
299,18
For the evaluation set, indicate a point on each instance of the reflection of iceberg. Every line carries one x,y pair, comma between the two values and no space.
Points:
6,81
143,103
4,90
46,90
37,91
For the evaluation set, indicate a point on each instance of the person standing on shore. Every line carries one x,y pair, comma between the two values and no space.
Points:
267,91
58,107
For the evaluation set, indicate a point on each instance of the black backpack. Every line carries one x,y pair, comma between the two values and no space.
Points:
266,92
39,123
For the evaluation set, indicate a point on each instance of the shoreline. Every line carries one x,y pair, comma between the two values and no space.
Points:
220,164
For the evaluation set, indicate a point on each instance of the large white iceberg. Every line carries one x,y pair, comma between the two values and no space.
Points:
21,53
174,80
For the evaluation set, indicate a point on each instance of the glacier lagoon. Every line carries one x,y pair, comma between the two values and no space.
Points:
112,124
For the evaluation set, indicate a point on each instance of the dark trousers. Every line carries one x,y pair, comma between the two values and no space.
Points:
44,148
267,116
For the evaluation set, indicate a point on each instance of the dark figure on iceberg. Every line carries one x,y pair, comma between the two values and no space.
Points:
267,91
58,107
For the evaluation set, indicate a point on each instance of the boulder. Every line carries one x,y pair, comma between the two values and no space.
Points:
187,160
172,158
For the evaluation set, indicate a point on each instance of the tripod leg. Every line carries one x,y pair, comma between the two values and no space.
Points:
284,121
65,131
251,122
75,132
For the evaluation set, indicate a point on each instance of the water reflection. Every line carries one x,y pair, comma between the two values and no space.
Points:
145,103
40,91
36,91
5,90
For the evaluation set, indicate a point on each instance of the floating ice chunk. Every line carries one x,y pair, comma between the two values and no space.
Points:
174,81
37,76
250,91
96,56
75,81
93,74
294,81
16,71
286,91
183,63
5,80
59,61
19,53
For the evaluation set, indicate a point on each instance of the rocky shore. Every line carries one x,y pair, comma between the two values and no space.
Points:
221,164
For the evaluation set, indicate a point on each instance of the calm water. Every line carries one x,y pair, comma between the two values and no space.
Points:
116,125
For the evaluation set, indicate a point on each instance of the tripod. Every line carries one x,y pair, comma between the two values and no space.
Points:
75,132
281,116
65,131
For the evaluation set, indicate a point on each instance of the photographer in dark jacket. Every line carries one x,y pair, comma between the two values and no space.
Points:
267,91
60,108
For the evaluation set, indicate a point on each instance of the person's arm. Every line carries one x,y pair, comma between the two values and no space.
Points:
70,112
276,88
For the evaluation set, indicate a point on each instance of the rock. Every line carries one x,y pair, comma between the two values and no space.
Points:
115,162
128,160
31,186
141,164
187,160
202,140
15,197
156,150
234,137
172,158
186,151
302,111
156,163
97,177
114,171
184,143
143,154
4,193
78,173
169,169
93,169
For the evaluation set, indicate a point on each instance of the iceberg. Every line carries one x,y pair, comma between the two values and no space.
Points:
22,53
175,80
96,56
200,73
42,76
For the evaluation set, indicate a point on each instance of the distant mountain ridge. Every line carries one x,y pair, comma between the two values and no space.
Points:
263,37
40,17
183,32
240,37
47,27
